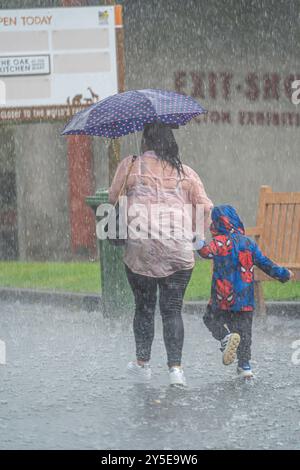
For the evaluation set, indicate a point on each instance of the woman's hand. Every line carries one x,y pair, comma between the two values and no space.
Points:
292,274
198,243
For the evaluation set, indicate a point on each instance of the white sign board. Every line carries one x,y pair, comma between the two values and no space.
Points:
57,56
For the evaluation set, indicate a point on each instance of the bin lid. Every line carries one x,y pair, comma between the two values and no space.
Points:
100,197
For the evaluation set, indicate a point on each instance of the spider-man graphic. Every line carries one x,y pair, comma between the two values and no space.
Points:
224,291
246,266
223,245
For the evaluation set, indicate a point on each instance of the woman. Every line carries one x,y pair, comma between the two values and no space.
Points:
158,179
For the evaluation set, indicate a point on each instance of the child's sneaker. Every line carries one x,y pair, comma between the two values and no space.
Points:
177,377
140,373
244,370
229,346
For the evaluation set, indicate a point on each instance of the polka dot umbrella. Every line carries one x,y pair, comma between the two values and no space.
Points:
128,112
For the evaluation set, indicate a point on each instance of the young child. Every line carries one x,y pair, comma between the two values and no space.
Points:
230,310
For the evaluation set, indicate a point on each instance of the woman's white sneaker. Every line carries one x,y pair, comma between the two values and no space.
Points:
176,376
229,346
138,372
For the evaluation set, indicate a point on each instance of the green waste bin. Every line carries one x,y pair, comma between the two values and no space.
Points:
117,298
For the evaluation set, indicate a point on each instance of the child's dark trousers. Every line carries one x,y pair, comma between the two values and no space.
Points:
237,322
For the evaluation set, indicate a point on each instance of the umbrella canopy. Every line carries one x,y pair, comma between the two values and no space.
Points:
128,112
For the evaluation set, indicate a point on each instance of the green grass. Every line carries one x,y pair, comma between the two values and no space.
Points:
85,277
74,277
199,285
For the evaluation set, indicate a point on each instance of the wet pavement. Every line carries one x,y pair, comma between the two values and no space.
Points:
64,386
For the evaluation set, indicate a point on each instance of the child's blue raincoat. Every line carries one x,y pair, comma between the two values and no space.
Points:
234,256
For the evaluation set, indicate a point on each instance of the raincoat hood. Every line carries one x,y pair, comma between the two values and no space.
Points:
225,220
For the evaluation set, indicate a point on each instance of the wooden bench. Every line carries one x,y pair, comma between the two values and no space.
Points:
277,233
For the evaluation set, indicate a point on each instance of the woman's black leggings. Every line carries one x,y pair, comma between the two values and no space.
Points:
171,293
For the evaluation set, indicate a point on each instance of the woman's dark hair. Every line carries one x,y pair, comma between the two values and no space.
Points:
159,137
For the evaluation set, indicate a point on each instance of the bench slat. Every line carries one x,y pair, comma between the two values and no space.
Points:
298,243
295,237
288,231
281,198
281,232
